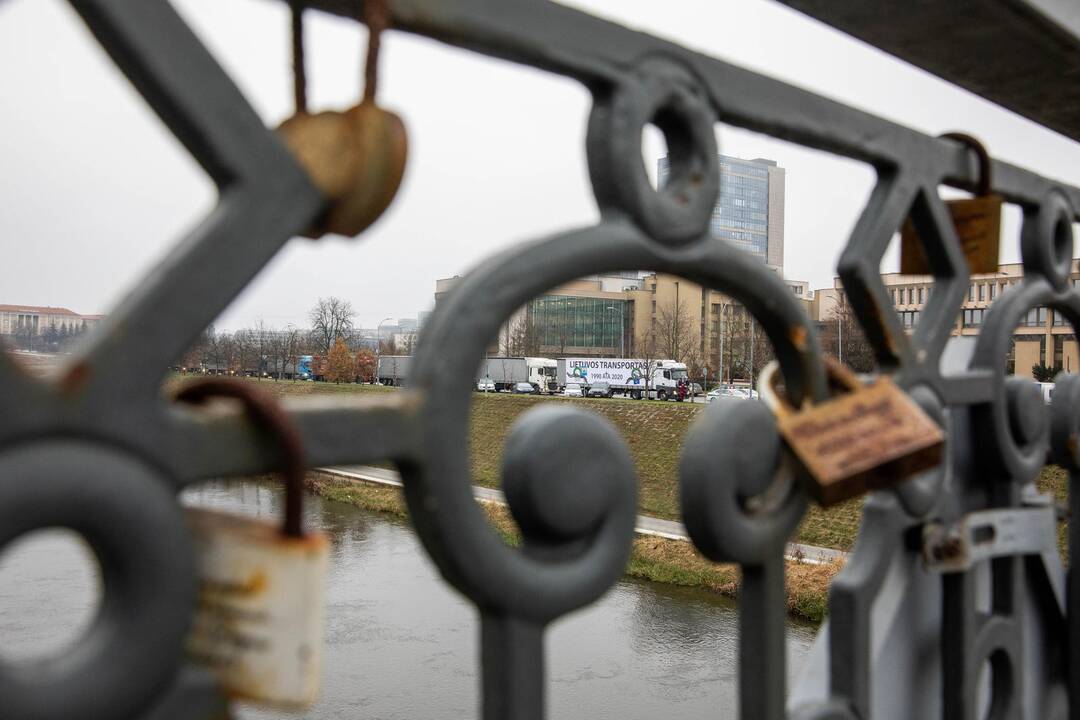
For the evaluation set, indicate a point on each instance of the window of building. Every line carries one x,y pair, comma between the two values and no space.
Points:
892,294
1059,319
973,317
982,292
971,292
922,295
1036,317
993,290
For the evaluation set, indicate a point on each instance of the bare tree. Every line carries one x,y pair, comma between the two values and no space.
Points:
522,337
842,337
330,319
647,353
245,350
674,330
283,348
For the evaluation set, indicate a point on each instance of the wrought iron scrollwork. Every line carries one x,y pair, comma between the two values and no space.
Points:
102,452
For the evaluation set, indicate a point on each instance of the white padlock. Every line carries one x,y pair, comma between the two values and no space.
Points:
259,622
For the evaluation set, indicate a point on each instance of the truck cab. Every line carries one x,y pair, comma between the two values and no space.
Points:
542,374
666,378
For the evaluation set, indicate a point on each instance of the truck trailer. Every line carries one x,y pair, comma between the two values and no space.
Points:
625,376
505,372
393,369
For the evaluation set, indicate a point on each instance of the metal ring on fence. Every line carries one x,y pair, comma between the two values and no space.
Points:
130,518
1012,430
665,94
1046,240
437,487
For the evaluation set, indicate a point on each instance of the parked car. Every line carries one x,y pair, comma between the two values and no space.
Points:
731,392
600,389
524,388
573,390
485,385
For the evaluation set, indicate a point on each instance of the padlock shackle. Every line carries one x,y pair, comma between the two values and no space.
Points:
265,411
836,374
984,185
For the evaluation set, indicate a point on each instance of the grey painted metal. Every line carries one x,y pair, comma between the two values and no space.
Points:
101,451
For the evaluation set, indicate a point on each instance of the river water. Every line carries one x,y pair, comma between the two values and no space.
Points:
401,644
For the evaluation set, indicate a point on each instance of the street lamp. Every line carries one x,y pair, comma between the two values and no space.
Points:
622,329
378,344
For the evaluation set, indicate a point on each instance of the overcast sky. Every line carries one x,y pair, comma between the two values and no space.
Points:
95,190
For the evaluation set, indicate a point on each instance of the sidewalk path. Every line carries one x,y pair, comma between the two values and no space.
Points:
645,525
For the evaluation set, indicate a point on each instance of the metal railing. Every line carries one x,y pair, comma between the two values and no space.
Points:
102,452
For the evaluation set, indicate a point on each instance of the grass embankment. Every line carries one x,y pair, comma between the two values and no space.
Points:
653,558
654,430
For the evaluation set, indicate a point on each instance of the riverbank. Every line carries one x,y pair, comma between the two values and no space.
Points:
653,430
654,558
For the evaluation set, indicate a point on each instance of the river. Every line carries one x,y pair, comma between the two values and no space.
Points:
400,643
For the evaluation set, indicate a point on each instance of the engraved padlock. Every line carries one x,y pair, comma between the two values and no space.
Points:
258,625
977,221
865,437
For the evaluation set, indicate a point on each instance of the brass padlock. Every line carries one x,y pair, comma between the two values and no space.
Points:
356,158
258,626
868,437
977,221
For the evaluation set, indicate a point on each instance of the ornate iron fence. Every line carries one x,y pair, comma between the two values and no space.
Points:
102,452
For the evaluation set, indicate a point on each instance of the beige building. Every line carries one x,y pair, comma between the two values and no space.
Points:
35,320
629,315
1043,337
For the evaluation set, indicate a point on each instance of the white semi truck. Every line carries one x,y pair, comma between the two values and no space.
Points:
505,372
626,376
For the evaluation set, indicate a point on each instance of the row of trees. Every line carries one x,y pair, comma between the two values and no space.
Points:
52,339
263,350
740,347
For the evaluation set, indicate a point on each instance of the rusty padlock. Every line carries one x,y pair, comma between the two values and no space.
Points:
977,221
259,622
867,437
357,157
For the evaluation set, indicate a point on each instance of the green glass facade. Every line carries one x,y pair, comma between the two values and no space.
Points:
563,321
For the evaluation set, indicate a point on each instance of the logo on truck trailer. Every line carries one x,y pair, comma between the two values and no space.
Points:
615,371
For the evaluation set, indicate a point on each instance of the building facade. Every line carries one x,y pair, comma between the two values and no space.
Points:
749,211
636,314
35,320
1043,337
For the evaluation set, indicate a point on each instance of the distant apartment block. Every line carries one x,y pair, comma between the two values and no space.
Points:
749,212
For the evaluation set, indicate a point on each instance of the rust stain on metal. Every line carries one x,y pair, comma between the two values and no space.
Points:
76,378
798,336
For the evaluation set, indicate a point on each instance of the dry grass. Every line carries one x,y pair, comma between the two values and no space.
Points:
1055,480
